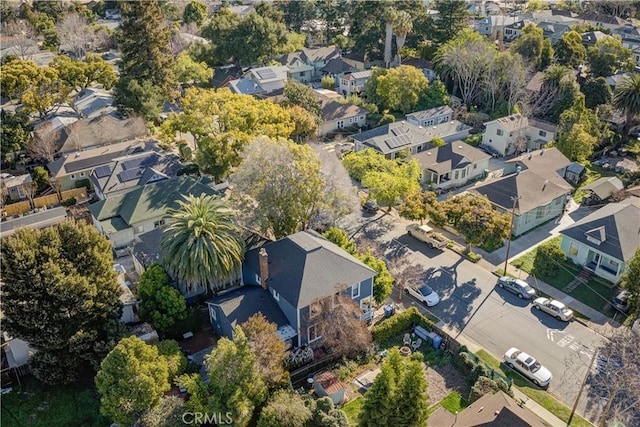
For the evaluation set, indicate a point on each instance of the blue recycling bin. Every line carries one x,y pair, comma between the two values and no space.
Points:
389,310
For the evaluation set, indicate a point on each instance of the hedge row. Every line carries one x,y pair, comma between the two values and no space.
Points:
481,377
399,323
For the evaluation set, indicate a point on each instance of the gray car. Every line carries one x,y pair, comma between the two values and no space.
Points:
517,286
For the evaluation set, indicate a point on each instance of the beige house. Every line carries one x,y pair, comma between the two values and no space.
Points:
451,165
351,83
17,187
513,133
336,116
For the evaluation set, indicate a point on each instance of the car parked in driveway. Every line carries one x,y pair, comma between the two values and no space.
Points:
554,308
424,294
517,286
621,302
528,366
371,206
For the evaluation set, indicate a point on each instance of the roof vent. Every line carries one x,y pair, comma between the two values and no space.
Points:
428,153
78,154
460,147
419,127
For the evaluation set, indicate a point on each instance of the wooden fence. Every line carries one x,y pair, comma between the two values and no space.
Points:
49,200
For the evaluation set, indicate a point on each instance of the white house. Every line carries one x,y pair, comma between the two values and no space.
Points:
351,83
509,134
431,117
451,165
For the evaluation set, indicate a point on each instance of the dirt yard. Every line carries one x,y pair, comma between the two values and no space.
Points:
442,380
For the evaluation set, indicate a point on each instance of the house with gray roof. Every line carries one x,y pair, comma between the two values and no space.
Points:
36,221
260,81
16,186
515,132
451,165
537,198
590,38
124,174
549,163
124,216
353,83
392,138
431,117
336,68
603,188
605,241
298,272
336,116
306,65
70,168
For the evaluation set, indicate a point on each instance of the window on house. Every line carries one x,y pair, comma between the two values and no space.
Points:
355,291
312,333
613,264
345,83
21,192
158,224
542,133
361,118
429,122
315,309
350,120
276,295
464,173
455,175
73,176
214,315
573,248
542,211
302,73
500,132
81,173
475,166
340,124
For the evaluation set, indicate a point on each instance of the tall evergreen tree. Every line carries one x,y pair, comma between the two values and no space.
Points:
144,40
379,405
60,294
452,18
411,398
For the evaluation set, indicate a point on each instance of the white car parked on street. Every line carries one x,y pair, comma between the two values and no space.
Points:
528,366
424,294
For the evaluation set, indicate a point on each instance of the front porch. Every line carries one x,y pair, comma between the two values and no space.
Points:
605,267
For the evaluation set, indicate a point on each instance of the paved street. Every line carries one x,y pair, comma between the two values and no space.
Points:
472,308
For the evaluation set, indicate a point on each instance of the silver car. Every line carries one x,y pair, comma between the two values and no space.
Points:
517,286
554,308
528,366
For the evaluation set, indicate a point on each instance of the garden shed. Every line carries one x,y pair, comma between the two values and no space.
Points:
328,384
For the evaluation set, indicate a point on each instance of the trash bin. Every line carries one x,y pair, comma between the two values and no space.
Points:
389,310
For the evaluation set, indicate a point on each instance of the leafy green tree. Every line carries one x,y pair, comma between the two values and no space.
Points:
296,93
235,382
368,31
46,93
608,56
529,45
41,178
548,259
189,71
547,54
383,282
262,39
411,396
269,349
569,50
144,40
15,132
379,406
577,144
296,13
401,88
627,98
64,274
161,304
474,217
328,82
166,413
176,361
436,95
132,378
284,409
339,237
221,31
285,182
82,74
596,92
358,164
194,11
631,283
418,205
452,19
202,245
388,188
305,123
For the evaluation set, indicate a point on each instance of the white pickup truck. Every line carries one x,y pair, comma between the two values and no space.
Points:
426,234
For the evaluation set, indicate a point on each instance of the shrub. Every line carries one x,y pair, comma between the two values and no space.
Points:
328,82
548,258
83,183
502,385
69,202
399,323
465,363
386,119
482,386
417,356
473,257
477,372
345,369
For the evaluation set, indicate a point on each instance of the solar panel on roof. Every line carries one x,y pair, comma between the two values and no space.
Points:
130,174
141,161
103,171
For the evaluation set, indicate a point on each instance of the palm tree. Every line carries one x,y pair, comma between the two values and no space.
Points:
627,98
389,16
402,26
202,246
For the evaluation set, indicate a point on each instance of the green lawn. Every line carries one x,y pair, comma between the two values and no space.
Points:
596,295
36,405
541,397
454,403
353,409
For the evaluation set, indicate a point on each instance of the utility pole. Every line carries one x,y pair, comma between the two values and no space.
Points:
584,381
513,212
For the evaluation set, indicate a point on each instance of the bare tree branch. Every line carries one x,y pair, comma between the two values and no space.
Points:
24,38
75,33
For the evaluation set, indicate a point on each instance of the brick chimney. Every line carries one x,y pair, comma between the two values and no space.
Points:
264,267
